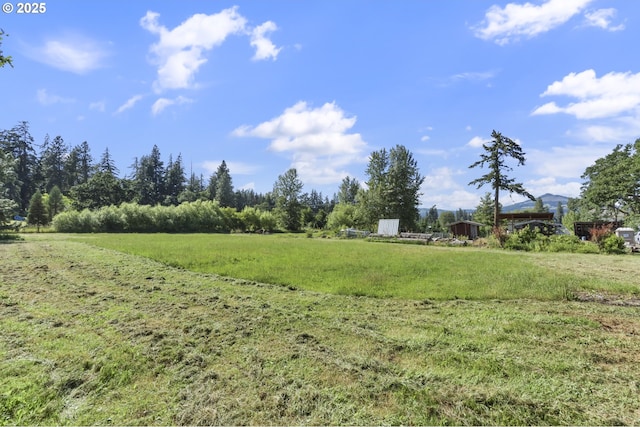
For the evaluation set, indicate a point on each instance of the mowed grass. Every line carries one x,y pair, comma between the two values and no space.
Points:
357,267
93,336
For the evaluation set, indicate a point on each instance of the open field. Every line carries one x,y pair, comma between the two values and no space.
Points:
95,336
357,267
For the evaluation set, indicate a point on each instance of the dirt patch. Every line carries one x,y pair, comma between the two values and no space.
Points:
608,299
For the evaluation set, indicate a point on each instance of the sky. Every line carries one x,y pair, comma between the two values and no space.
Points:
318,85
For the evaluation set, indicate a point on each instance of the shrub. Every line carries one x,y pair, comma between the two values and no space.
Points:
614,245
600,234
66,222
110,219
564,243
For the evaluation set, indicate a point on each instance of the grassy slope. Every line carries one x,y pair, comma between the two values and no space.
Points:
358,267
93,336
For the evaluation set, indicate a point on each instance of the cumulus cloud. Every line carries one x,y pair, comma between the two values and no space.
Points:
507,24
71,52
46,98
552,186
441,188
567,161
317,139
602,18
180,52
477,142
608,96
163,103
265,48
129,104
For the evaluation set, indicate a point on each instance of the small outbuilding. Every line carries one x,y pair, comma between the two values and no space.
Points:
470,229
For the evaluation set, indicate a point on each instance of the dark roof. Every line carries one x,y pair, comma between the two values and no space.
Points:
466,222
527,215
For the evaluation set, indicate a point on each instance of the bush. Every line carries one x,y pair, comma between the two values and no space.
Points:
614,245
564,243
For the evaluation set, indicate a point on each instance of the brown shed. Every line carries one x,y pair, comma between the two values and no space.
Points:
465,228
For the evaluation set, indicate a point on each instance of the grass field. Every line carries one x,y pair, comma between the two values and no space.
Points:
357,267
96,336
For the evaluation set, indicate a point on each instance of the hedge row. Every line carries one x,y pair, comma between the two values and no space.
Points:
189,217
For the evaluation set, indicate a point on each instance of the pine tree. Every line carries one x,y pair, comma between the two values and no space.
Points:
224,188
52,162
175,180
54,202
18,142
393,187
37,211
496,153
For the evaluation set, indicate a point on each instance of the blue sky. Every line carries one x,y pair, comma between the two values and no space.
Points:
318,85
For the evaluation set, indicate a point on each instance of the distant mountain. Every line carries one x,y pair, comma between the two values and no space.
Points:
550,201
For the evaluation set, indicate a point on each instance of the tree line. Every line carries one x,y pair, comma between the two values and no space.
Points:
57,177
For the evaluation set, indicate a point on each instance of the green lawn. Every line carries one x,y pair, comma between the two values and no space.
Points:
93,336
358,267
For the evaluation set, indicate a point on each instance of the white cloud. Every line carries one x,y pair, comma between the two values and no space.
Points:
477,142
129,104
508,24
568,161
235,168
552,186
602,18
441,179
610,95
181,51
70,52
45,98
473,76
317,139
163,103
425,138
265,48
100,106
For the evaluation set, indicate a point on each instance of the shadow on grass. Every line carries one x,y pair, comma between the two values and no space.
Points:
9,238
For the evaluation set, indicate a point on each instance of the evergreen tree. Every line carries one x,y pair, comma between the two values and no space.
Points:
393,187
446,218
539,206
559,212
108,165
348,190
52,163
175,180
55,202
102,189
7,179
224,194
18,142
37,211
85,162
212,186
149,180
485,210
496,153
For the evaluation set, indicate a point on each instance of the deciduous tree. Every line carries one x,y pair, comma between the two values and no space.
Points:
286,192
